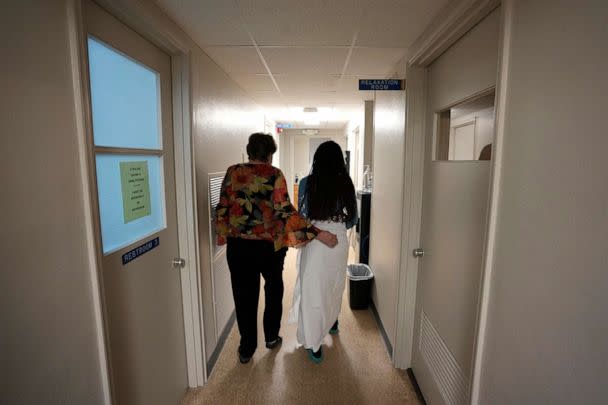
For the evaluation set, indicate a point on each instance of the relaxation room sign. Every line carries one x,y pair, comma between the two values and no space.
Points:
135,190
380,84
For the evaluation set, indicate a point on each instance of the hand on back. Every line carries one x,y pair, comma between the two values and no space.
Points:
327,238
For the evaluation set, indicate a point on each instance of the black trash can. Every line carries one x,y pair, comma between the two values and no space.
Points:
360,279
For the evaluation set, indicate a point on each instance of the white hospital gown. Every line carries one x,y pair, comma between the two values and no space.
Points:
317,296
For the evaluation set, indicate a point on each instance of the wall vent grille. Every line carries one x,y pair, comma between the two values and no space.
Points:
446,372
215,186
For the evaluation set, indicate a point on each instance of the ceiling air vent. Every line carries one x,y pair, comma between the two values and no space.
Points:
310,109
310,131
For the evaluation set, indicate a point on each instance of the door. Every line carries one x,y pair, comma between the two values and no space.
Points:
131,114
455,199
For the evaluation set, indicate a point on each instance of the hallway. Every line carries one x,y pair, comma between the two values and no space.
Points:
356,368
121,117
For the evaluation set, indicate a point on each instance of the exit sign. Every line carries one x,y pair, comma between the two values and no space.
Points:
380,84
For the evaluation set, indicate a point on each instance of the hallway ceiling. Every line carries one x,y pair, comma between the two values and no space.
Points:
289,54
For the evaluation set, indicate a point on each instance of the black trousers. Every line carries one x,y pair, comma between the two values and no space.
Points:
247,260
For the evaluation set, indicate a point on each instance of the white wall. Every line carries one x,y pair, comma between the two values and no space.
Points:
357,123
387,200
297,161
48,338
301,156
547,334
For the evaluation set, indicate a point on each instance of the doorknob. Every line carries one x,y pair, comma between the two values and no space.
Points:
178,262
418,252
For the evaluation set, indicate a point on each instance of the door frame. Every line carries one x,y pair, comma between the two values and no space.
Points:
149,23
447,28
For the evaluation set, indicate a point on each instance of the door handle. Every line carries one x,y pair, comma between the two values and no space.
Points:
418,252
179,263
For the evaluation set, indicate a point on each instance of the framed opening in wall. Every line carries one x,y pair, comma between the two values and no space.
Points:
465,131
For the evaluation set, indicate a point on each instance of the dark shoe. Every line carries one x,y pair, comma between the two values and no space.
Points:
244,359
317,356
334,329
274,343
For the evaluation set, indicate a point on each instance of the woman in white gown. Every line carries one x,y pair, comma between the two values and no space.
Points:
327,198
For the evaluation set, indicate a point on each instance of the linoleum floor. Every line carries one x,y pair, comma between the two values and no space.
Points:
356,368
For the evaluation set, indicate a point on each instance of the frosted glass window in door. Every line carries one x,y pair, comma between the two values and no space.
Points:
125,98
131,198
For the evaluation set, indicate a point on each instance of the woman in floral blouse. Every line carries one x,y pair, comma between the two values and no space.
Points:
258,222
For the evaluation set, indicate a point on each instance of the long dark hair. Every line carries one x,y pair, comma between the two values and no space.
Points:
330,193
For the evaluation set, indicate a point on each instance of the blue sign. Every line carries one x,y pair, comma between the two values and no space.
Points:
140,250
285,126
380,84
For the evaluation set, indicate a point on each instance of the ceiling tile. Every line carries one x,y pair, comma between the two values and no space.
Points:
304,43
349,84
375,62
237,59
254,82
267,97
296,22
326,60
306,83
311,100
212,22
396,23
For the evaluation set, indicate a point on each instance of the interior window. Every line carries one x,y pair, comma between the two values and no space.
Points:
125,97
466,131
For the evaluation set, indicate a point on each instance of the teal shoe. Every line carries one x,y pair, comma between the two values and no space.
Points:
316,357
334,329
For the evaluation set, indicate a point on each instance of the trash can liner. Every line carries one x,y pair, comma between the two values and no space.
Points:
360,278
359,271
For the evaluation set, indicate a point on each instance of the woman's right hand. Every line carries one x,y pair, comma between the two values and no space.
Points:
327,238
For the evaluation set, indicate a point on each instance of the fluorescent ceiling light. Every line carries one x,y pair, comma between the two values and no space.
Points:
311,121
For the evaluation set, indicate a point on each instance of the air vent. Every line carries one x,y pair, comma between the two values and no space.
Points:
215,187
446,372
310,131
310,109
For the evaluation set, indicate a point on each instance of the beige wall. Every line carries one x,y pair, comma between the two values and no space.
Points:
222,119
49,343
387,199
48,338
546,342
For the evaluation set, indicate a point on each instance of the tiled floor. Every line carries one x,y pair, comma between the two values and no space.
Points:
356,368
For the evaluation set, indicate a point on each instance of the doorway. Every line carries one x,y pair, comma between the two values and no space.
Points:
457,175
131,111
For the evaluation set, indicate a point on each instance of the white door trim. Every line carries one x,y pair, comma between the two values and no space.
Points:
414,146
78,64
187,221
147,21
495,185
453,22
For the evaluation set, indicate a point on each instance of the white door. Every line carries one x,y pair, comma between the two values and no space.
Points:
455,199
130,90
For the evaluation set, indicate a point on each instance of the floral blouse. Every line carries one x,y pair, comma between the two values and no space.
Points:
254,204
